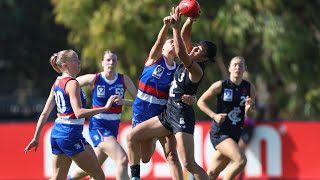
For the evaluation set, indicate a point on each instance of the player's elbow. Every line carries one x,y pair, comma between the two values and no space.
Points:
79,114
200,103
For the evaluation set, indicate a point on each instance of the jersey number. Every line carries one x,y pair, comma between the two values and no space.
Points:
180,79
243,100
61,103
119,91
172,87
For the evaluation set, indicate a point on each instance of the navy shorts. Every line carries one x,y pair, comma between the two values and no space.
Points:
218,134
177,118
68,147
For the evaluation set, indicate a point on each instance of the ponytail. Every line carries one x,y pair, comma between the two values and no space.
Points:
58,59
53,62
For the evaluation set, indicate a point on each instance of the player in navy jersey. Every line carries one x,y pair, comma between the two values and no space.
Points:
235,100
178,118
67,142
152,97
103,127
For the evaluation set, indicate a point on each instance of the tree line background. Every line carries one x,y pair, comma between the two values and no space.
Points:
280,40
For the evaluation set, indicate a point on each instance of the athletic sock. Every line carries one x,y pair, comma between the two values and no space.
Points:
135,171
135,178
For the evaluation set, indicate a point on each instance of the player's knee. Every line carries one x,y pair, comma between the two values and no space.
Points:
145,160
123,161
146,156
242,162
130,138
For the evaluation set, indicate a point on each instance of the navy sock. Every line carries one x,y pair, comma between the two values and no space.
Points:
135,171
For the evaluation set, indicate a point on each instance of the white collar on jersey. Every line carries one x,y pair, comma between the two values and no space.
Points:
109,81
170,67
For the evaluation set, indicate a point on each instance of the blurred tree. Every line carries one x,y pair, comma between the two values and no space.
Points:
127,27
29,36
279,40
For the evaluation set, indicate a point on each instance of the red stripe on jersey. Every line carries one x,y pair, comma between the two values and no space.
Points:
62,83
153,91
117,109
70,115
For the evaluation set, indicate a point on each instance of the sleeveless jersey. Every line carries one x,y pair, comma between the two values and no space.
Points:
231,101
66,125
153,88
182,85
180,117
101,91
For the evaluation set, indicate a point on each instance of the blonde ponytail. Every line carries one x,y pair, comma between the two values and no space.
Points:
53,62
57,59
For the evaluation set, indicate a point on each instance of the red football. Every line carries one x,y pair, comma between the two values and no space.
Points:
189,8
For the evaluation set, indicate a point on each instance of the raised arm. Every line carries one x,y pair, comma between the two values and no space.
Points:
87,79
186,33
156,50
195,71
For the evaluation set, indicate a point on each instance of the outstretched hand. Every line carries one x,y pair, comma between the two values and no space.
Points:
175,14
33,144
168,20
